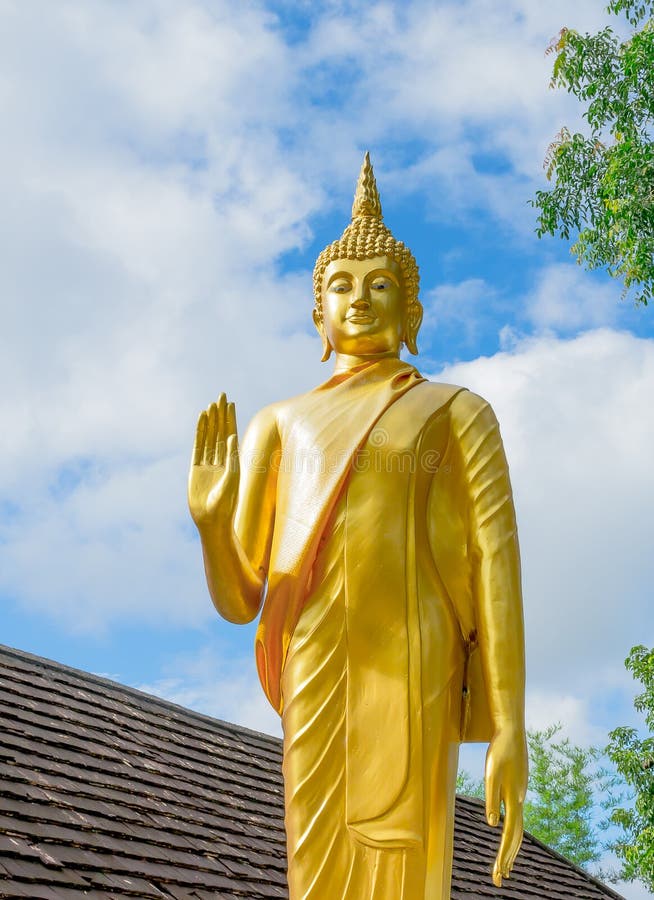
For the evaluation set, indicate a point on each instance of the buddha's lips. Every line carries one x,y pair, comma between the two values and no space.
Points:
360,318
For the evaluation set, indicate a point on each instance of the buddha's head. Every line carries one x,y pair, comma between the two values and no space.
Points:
366,283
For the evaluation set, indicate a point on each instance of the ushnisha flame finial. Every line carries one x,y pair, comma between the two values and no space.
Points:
367,237
366,196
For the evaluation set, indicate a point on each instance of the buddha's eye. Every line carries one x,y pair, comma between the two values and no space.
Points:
382,285
340,287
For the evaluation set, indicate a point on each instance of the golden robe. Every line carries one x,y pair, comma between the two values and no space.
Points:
368,635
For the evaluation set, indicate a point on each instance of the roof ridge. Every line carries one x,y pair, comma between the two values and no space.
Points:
143,696
572,865
480,805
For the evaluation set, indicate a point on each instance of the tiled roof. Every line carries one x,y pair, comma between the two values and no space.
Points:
108,792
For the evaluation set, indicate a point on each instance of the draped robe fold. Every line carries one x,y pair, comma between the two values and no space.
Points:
320,433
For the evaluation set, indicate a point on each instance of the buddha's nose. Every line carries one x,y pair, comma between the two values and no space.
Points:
360,303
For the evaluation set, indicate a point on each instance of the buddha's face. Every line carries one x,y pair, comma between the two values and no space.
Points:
363,306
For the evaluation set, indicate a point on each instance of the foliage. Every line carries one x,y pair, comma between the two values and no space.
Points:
566,797
603,181
633,757
562,804
468,786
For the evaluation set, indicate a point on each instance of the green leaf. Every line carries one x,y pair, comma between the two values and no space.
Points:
602,192
633,756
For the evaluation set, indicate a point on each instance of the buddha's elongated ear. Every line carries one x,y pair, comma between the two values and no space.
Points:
412,326
320,328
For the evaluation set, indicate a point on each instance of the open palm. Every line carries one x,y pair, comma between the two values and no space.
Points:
214,474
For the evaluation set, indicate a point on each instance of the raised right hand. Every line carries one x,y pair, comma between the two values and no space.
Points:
214,474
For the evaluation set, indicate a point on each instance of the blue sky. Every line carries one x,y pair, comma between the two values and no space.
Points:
170,171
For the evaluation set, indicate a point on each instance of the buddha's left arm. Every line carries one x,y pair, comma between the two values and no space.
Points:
495,565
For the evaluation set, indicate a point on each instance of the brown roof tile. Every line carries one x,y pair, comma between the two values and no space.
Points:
108,792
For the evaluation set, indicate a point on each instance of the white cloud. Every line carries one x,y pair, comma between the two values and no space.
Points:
146,199
469,80
101,545
565,299
215,683
546,708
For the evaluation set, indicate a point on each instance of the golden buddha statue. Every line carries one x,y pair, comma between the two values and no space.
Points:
372,519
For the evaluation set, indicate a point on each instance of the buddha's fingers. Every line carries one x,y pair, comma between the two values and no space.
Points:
492,794
222,412
511,838
212,432
497,874
230,420
221,436
200,437
232,463
516,845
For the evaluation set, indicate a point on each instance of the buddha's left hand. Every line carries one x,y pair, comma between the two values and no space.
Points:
506,781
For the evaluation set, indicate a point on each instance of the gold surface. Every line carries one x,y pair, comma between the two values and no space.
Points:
372,523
